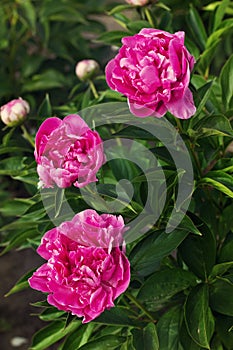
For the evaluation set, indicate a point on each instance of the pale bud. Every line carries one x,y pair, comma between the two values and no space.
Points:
87,69
14,112
138,2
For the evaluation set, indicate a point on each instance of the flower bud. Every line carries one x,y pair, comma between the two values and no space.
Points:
14,112
138,2
87,69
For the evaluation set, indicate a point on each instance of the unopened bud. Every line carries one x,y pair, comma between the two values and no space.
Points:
14,112
138,2
87,69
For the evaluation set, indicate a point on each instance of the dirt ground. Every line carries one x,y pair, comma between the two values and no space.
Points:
15,311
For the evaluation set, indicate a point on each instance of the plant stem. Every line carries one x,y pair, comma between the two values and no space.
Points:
93,89
140,306
149,18
27,136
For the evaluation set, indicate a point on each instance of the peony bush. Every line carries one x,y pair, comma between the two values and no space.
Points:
116,168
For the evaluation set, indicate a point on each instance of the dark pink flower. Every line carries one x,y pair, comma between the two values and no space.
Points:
67,152
153,70
82,279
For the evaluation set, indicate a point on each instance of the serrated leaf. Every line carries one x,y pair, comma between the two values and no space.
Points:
198,317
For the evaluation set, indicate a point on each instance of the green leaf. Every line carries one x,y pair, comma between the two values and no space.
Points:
29,13
113,37
221,269
198,317
168,328
198,252
119,8
224,330
116,316
136,26
150,336
146,256
163,285
205,59
214,124
186,339
220,13
45,109
105,342
52,333
51,314
49,79
15,207
220,181
197,27
201,96
226,80
21,284
147,339
183,222
221,292
226,249
21,238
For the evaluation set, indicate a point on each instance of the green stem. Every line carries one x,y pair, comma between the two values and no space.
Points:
93,89
148,17
139,305
27,136
196,159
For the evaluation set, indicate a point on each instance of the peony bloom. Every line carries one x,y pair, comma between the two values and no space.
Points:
82,279
87,69
14,112
67,152
153,70
138,2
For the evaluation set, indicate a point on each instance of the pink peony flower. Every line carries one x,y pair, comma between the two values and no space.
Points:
67,152
153,70
82,279
86,69
14,112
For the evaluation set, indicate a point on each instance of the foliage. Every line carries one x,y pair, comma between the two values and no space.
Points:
180,295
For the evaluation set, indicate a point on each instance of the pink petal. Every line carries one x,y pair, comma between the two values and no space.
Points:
182,108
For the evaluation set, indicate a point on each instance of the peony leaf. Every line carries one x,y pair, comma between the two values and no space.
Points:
221,292
198,317
163,285
226,80
168,328
52,333
146,339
